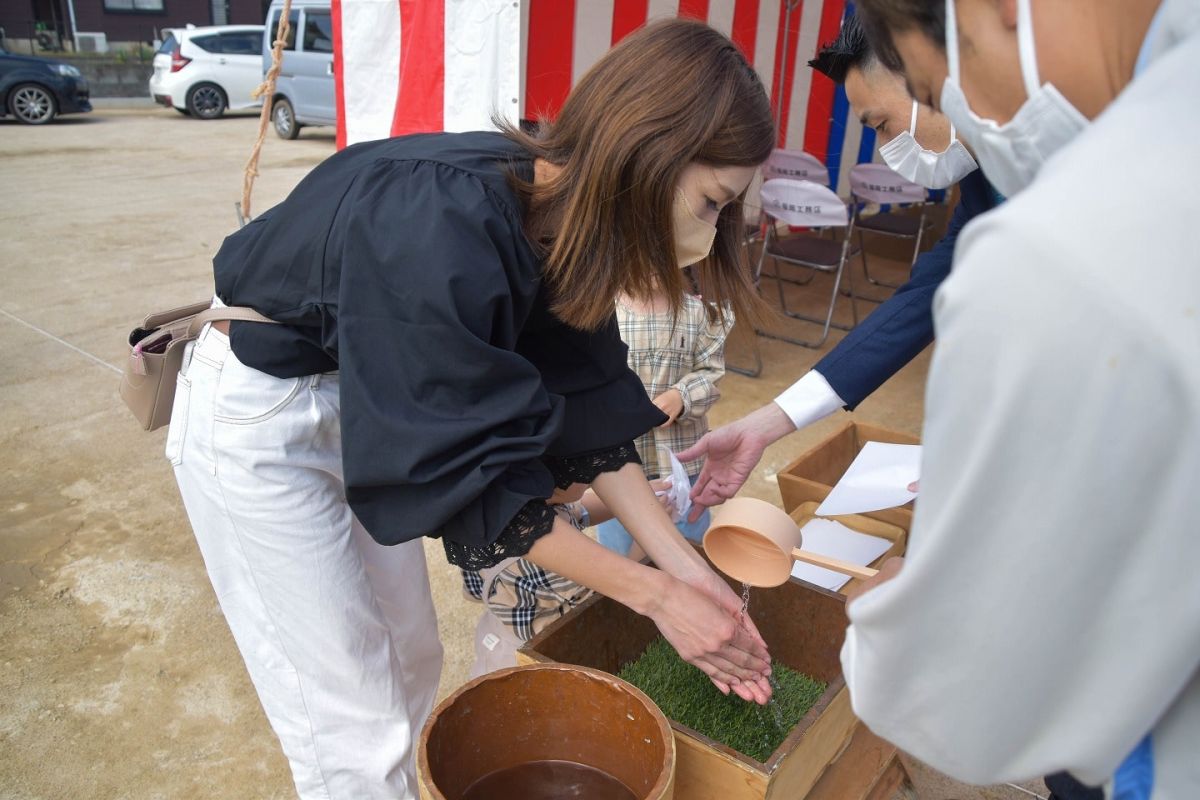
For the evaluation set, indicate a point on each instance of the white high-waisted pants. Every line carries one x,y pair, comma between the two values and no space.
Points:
338,633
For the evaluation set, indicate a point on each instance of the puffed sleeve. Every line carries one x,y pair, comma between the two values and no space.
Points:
442,423
698,388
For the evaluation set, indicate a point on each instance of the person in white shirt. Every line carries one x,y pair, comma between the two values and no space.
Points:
1048,614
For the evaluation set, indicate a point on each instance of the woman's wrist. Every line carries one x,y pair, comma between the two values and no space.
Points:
629,497
686,564
679,560
650,589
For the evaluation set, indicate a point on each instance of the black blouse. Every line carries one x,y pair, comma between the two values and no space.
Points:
403,265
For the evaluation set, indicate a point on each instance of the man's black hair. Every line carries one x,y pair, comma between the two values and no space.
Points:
850,49
883,18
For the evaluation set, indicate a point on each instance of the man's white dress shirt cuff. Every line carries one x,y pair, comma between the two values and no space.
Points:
809,399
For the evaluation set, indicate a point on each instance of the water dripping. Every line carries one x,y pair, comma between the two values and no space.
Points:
745,603
776,709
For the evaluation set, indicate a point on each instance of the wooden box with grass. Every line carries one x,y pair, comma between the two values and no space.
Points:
813,475
804,626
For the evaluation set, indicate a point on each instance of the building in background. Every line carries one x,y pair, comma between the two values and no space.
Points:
45,26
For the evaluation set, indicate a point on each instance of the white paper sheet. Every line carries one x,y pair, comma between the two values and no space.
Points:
878,478
830,538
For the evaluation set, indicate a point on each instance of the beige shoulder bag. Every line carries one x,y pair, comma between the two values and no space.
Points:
156,355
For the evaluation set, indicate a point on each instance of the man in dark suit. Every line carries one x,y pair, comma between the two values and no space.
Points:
919,143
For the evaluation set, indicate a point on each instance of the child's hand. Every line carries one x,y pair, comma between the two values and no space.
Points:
662,490
670,403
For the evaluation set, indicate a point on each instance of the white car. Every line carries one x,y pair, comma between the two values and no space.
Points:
204,71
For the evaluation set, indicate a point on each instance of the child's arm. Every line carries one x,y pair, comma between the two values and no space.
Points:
698,389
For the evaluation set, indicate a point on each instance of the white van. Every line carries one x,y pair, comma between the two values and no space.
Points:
304,93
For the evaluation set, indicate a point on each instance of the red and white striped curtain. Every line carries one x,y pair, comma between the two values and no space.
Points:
407,66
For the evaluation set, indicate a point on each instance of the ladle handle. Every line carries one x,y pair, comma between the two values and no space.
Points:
837,565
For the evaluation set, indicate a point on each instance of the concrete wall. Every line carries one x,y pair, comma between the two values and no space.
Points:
108,77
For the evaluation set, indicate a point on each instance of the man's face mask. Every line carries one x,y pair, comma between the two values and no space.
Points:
1011,154
693,236
928,168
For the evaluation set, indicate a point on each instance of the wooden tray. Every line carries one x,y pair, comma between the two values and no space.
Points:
862,523
812,476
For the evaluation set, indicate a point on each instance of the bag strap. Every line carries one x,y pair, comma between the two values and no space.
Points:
160,318
232,312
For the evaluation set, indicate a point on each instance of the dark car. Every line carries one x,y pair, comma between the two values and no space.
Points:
36,90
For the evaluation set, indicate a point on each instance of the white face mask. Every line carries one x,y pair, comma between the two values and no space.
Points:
1011,154
693,236
928,168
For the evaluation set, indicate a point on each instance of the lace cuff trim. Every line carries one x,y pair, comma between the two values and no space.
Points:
536,518
585,468
532,522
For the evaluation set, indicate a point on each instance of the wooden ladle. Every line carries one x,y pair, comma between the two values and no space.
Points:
756,543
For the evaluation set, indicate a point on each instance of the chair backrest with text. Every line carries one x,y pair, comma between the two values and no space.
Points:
802,203
878,183
797,165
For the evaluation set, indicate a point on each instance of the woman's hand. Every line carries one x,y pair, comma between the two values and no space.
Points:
628,495
697,614
713,586
708,635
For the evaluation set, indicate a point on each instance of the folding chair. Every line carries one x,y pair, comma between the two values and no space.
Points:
809,205
788,164
877,183
800,166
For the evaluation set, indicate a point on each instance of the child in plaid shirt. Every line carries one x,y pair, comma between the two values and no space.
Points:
680,362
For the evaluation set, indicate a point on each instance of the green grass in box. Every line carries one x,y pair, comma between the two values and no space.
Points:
686,695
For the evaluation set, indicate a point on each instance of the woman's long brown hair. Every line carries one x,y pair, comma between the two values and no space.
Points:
674,92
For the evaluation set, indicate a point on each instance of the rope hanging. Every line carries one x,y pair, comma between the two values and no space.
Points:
265,90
